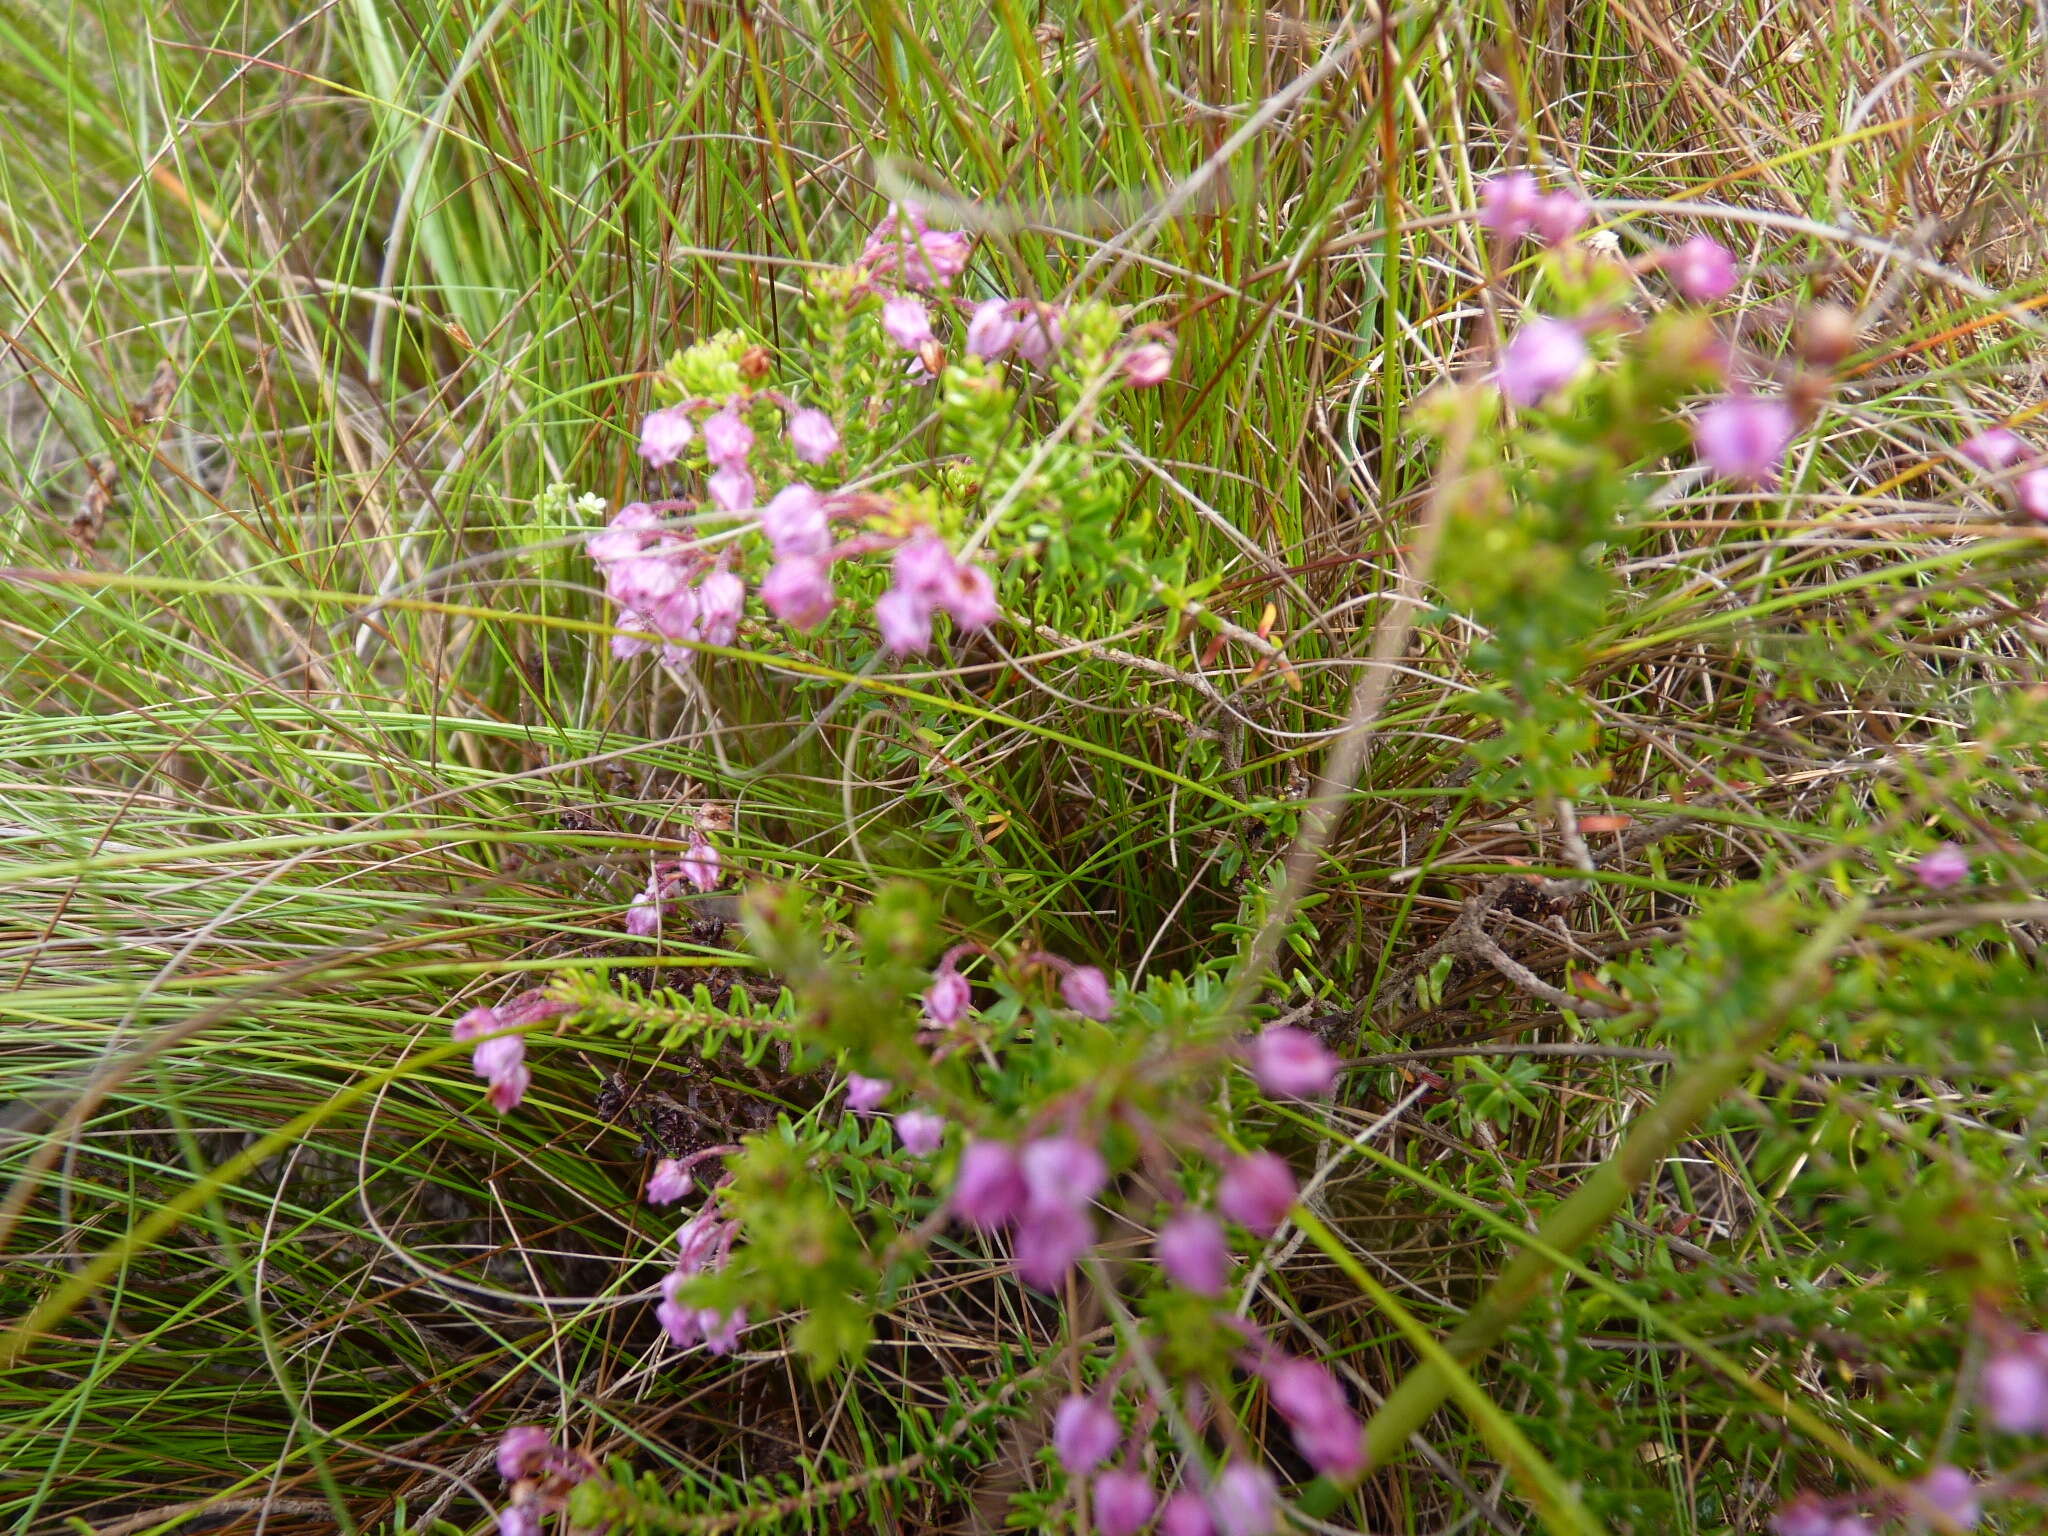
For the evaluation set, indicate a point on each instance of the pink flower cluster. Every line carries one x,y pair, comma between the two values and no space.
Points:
541,1474
905,251
905,258
1742,438
1942,868
945,1004
1999,450
697,868
927,579
1240,1501
500,1059
703,1244
669,593
1041,1191
2014,1384
1946,1491
1514,206
2013,1393
1328,1434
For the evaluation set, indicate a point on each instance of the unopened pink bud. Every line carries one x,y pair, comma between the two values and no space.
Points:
1508,204
2030,492
722,1331
1953,1493
669,1182
906,322
990,1190
993,330
948,998
1049,1241
1063,1170
1147,365
478,1021
1560,215
1194,1253
798,591
812,437
1701,269
1086,990
1293,1064
508,1089
1185,1515
794,522
699,865
1804,1515
905,622
1993,449
1245,1501
1124,1500
664,435
1543,357
1084,1434
522,1451
864,1095
1743,438
920,1132
2014,1386
1942,868
1256,1191
731,488
728,440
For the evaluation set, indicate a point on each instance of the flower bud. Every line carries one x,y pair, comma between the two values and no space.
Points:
920,1132
1993,449
1743,438
990,1191
798,591
2014,1386
727,440
1827,335
523,1450
948,998
1952,1493
1292,1064
1124,1500
1245,1501
906,322
1508,204
864,1095
1193,1252
2030,491
1086,990
1559,215
669,1182
1063,1171
1084,1433
664,435
1942,868
1256,1191
1147,365
1543,357
1186,1515
1805,1515
993,330
1701,269
812,437
1049,1241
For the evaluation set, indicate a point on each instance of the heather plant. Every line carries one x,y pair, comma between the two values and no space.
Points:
848,769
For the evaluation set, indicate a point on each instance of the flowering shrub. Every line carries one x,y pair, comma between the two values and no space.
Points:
1090,1140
